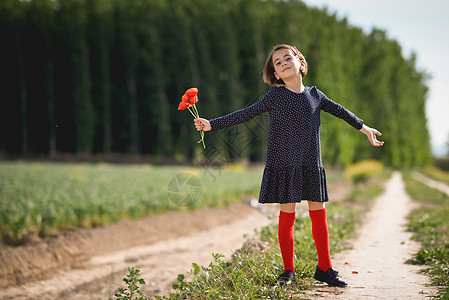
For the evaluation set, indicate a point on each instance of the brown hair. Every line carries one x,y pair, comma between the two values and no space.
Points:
268,70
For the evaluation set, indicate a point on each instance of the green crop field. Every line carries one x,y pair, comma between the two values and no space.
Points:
43,198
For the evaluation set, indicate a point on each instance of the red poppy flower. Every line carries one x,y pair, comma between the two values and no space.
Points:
188,101
185,98
192,92
183,106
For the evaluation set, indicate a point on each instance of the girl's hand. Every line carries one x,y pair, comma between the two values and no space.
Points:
371,135
202,124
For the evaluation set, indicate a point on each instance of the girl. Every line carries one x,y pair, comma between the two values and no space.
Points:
294,170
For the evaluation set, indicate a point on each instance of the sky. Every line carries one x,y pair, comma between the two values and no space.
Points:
420,27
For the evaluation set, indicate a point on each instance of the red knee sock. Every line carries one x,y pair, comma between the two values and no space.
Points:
320,234
285,234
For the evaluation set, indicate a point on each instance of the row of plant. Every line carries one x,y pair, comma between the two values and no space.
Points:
430,225
43,198
252,273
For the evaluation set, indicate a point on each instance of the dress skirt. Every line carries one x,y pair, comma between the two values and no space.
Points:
293,184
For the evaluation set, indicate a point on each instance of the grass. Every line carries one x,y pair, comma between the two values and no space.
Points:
253,274
437,174
43,198
430,225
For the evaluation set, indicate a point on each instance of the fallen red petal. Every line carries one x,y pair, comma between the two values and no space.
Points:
346,263
355,272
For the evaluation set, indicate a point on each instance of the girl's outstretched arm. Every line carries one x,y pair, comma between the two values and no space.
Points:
202,124
371,134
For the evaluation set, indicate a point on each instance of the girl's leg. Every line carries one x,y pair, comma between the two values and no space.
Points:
288,207
320,232
287,218
324,271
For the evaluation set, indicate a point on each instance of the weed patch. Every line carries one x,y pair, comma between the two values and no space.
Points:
132,291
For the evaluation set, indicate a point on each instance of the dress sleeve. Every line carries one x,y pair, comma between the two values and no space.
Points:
339,111
243,115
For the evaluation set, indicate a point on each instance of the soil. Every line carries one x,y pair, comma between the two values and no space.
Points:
90,264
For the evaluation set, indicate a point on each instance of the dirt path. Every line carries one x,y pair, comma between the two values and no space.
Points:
159,262
379,253
432,183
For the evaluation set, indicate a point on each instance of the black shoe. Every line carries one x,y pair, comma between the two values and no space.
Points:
286,278
330,277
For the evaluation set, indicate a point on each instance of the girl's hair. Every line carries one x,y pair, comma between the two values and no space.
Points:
268,70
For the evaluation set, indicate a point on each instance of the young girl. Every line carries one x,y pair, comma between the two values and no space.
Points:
294,170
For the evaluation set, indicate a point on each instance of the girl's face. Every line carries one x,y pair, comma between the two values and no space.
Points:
286,65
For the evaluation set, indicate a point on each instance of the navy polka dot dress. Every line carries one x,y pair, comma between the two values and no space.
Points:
294,169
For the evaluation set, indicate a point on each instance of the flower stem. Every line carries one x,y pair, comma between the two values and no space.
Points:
202,138
196,115
196,110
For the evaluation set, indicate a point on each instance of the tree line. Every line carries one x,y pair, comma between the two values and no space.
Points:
105,76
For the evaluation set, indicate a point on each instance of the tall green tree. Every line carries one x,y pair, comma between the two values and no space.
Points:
73,28
127,25
100,37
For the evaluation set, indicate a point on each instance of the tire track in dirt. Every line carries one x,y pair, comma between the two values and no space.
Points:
379,253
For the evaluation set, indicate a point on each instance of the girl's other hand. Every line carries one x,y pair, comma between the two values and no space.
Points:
371,134
202,124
